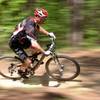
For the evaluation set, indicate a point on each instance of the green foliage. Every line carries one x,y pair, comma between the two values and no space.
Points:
92,22
13,11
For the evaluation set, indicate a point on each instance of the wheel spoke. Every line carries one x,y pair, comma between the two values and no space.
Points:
8,67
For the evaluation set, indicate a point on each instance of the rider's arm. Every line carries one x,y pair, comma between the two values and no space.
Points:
42,30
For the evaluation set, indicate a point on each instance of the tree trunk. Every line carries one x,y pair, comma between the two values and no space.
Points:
76,31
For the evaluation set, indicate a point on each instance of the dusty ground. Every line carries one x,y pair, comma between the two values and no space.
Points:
85,87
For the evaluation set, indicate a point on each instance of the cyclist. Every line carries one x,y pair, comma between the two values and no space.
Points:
25,36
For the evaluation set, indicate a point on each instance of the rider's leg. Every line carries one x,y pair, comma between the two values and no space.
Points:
35,47
24,68
23,56
15,46
26,63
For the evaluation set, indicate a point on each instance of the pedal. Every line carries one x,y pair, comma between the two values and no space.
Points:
22,74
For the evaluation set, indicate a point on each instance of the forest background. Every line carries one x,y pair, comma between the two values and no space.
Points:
75,22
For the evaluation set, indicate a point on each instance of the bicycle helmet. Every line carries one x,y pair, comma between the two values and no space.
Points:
42,13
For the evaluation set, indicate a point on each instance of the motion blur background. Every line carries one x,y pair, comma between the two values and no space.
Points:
76,23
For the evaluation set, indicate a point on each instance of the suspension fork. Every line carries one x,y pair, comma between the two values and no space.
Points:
56,60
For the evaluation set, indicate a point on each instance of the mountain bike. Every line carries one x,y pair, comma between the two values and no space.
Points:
58,67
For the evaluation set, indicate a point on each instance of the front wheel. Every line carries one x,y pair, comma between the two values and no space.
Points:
9,67
62,68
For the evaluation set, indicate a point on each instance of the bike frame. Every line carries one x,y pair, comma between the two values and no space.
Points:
53,55
39,63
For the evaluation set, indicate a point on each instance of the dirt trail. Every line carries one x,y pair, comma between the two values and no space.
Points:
85,87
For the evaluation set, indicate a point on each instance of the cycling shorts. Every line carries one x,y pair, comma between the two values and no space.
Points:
18,47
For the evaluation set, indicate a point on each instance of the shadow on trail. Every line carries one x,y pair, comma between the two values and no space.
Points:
41,80
52,96
34,80
32,95
89,61
44,81
90,71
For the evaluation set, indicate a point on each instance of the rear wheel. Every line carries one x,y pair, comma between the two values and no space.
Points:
9,67
62,68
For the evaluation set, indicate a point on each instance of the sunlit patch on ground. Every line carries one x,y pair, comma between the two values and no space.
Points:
29,83
16,84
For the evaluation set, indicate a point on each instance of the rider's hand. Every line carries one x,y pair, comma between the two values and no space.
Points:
51,34
47,52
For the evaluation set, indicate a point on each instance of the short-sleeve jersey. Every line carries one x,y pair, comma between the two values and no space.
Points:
26,28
